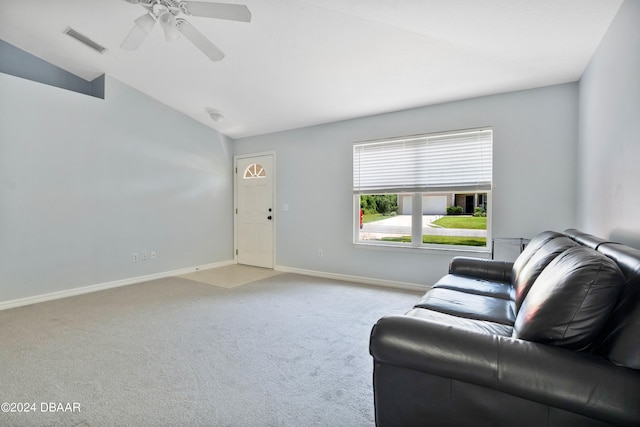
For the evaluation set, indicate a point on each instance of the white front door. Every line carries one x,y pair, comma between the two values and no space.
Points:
254,211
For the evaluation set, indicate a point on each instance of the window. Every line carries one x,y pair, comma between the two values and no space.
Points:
254,171
424,191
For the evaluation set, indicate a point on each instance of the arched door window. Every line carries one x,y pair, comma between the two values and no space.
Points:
254,171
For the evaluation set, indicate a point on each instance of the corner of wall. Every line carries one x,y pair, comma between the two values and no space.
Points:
97,87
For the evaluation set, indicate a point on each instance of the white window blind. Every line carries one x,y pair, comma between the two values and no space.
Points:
456,161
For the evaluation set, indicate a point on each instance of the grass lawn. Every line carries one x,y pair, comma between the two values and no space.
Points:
463,221
373,217
442,240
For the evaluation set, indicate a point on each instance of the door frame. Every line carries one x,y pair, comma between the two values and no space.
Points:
235,202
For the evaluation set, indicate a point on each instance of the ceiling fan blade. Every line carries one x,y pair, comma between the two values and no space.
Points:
134,39
232,12
199,40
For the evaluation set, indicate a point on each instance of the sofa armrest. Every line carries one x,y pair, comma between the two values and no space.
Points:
577,382
487,269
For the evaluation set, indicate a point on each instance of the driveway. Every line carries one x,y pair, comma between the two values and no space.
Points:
400,225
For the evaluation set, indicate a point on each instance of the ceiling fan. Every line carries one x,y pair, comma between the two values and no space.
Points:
166,11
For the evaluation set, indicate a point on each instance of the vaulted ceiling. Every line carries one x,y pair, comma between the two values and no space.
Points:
305,62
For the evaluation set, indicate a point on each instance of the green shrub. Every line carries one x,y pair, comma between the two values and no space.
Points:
385,204
478,211
454,210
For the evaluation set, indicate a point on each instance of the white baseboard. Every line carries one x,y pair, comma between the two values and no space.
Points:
356,279
4,305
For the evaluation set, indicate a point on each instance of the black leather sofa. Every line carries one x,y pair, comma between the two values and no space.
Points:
552,339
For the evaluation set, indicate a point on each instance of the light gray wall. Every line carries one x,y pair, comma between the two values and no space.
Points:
609,151
85,182
535,140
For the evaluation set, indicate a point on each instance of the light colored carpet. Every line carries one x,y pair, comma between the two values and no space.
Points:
230,276
288,350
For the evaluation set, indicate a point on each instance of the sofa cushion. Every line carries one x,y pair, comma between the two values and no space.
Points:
470,306
532,247
620,341
479,326
571,300
472,285
528,274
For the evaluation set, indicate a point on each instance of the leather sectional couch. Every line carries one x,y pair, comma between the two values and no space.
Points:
552,339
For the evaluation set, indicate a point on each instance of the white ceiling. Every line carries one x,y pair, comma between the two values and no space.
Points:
306,62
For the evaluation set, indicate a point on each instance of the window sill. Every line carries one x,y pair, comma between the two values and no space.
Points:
448,249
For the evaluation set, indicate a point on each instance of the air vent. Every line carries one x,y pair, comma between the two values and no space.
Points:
84,39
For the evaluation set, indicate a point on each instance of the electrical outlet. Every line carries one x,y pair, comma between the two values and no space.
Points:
135,257
320,253
145,255
154,255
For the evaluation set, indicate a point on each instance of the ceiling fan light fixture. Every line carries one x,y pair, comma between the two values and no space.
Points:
168,24
146,22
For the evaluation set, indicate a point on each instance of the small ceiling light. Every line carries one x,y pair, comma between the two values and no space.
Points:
168,24
215,115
